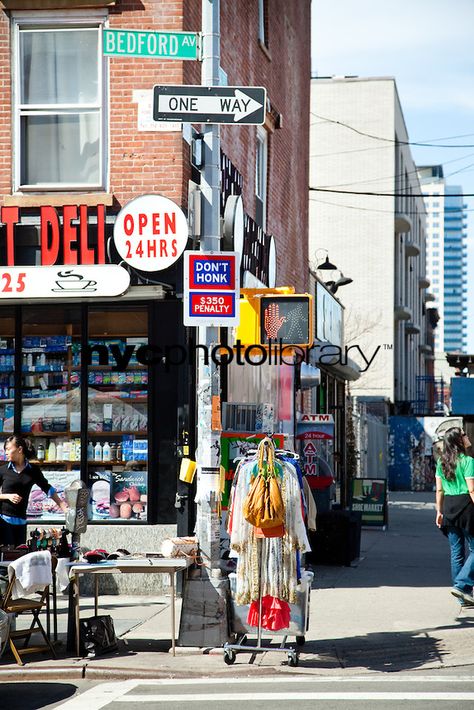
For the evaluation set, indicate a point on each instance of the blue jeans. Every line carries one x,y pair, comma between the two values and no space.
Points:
462,567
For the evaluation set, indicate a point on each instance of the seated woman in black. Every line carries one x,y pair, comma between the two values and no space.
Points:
17,478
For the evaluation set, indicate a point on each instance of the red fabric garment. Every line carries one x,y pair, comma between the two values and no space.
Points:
252,616
278,531
276,614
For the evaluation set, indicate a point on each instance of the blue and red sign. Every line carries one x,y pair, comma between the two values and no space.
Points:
211,288
212,272
203,304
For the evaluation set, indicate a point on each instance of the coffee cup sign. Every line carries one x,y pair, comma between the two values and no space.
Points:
150,233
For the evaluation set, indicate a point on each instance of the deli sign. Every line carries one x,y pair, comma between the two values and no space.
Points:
64,235
63,282
72,266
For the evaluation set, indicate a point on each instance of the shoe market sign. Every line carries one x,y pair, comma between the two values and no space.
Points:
369,497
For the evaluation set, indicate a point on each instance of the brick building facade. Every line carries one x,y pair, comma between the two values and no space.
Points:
76,129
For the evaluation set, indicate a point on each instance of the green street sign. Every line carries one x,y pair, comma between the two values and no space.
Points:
160,45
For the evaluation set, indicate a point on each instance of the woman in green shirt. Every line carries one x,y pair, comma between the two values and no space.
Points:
455,509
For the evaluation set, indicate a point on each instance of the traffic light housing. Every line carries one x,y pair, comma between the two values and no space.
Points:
269,317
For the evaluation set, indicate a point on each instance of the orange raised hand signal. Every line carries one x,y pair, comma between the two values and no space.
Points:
272,321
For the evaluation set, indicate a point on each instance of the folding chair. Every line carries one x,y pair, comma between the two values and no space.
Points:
32,606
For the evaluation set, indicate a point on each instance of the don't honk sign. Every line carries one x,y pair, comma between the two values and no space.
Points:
211,288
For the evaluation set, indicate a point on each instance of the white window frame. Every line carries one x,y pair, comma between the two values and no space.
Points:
261,22
261,170
72,19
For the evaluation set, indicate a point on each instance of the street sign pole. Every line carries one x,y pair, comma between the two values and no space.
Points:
208,387
204,619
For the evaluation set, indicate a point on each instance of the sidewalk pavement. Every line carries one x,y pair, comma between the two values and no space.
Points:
390,611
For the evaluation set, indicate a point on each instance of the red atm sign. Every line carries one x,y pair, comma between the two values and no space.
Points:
211,289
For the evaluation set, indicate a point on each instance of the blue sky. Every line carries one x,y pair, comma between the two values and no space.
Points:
428,46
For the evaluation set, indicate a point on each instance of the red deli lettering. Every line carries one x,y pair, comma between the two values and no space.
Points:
74,246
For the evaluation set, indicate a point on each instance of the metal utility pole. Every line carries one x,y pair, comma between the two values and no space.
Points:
208,389
204,611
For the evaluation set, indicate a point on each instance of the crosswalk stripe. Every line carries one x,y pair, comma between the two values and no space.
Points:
242,697
284,678
127,691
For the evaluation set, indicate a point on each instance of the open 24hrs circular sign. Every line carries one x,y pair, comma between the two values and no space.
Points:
150,233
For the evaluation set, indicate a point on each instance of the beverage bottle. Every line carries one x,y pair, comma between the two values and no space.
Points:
98,452
90,451
52,451
119,452
41,452
113,452
106,454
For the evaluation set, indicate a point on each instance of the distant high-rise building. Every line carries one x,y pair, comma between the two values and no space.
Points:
455,270
446,257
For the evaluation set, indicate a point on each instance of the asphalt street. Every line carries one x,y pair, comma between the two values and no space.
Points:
447,690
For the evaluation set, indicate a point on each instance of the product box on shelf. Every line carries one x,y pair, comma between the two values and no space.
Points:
140,449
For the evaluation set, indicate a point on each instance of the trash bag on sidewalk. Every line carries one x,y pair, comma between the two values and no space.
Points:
98,636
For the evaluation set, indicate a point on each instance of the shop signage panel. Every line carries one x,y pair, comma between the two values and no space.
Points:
159,45
63,232
211,288
329,317
150,233
63,281
210,104
369,497
316,435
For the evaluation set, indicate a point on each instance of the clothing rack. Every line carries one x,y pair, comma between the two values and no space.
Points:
241,644
231,649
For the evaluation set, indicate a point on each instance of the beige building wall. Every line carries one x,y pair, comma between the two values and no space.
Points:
358,144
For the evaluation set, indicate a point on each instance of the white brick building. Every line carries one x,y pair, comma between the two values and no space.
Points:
359,144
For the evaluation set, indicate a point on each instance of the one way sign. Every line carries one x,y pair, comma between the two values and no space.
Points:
210,104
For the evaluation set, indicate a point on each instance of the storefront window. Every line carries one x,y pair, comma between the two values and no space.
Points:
7,379
117,451
50,398
81,395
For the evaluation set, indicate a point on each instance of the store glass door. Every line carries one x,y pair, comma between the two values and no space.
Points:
117,451
50,397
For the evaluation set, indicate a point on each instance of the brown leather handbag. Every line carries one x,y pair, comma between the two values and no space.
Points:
263,505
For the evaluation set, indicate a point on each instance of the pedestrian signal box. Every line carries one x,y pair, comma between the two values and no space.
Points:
286,320
268,319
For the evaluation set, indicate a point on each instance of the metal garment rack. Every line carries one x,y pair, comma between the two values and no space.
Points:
230,649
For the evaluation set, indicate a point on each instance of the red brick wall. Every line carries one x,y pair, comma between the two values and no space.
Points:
5,108
286,75
142,162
